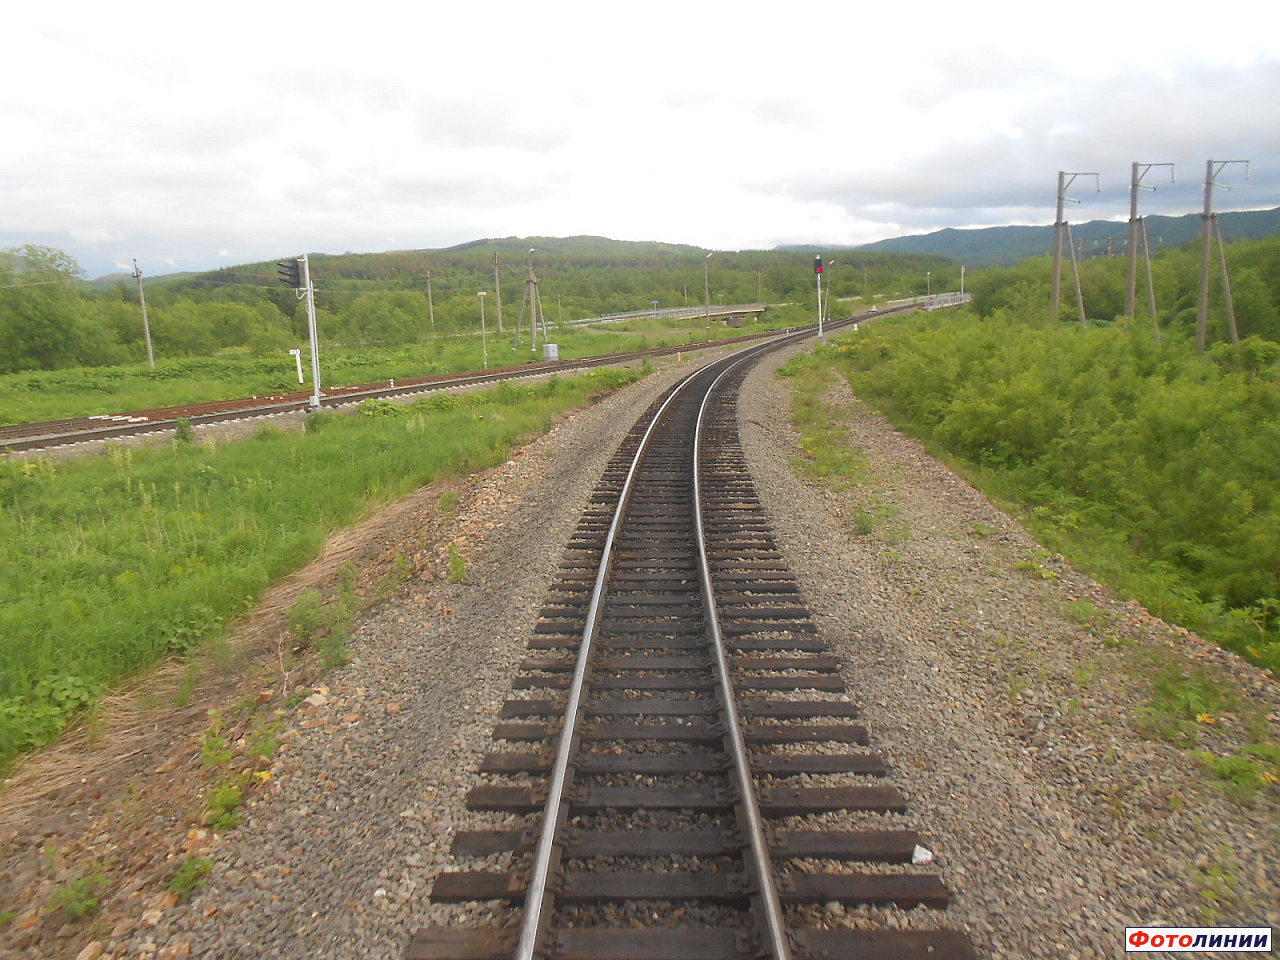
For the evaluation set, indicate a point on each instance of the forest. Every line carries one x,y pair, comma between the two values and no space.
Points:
52,317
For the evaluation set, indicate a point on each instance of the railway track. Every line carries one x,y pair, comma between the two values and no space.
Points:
17,437
53,433
683,734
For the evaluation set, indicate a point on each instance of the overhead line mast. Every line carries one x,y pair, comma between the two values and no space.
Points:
1140,170
1211,170
497,288
146,327
1059,229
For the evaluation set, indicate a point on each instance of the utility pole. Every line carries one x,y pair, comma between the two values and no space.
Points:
1140,170
497,289
1226,283
146,327
1075,273
706,285
1211,170
484,340
1059,229
1151,282
830,264
534,301
431,309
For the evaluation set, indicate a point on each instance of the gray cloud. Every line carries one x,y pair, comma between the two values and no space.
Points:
467,125
1198,113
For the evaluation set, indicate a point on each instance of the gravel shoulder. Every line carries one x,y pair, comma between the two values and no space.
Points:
1009,724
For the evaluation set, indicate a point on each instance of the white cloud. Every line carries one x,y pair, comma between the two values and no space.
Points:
181,134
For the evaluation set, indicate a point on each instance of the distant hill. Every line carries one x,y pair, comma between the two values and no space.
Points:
110,279
997,246
582,246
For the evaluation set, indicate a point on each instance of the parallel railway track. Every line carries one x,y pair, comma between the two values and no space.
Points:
53,433
684,734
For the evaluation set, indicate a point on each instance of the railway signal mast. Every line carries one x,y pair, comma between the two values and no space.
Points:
817,276
297,274
1211,171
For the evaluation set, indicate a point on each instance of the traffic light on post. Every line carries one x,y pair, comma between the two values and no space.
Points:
817,264
290,273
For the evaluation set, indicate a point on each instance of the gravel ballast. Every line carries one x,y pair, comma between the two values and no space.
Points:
1011,726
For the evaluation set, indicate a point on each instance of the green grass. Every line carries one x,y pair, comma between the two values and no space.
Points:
827,457
190,876
89,391
1185,705
108,564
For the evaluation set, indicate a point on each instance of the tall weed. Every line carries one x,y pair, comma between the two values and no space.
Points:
109,563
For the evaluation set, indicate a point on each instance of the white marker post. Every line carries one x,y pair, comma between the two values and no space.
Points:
817,276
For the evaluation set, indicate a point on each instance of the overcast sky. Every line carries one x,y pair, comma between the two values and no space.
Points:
195,136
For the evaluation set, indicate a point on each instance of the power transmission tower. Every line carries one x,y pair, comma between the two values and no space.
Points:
146,327
1140,170
1211,170
1059,229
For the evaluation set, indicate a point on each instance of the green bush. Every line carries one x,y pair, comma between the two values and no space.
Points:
1155,467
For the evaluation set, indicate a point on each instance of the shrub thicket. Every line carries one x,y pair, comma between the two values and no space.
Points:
1155,467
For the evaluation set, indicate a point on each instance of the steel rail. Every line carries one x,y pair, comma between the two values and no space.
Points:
536,893
761,863
28,436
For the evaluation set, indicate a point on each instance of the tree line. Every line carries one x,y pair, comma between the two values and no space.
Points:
1154,466
52,317
1253,268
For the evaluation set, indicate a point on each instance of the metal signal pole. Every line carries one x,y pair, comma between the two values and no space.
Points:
309,292
1059,228
1140,170
146,327
1211,170
817,276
